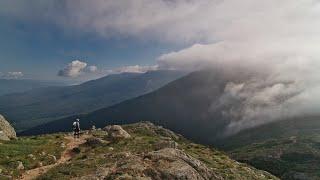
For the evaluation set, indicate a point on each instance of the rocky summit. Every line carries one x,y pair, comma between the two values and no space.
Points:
7,132
141,151
145,151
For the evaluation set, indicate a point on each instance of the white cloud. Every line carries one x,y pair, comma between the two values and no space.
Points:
285,82
92,69
73,69
77,68
277,42
133,69
15,74
11,75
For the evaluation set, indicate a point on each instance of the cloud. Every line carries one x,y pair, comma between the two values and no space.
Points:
15,74
277,43
92,69
284,81
11,75
76,68
133,69
167,20
177,21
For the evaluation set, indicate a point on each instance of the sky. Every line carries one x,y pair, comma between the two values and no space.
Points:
34,46
276,41
42,38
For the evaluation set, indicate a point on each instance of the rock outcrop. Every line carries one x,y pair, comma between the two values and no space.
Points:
172,163
7,132
156,130
167,163
151,153
116,132
165,143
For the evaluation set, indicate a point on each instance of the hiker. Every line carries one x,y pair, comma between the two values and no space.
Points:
76,128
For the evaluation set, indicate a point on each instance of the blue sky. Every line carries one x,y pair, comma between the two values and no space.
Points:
40,38
39,49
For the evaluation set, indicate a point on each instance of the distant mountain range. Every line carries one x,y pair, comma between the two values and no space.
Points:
182,105
9,86
42,105
288,148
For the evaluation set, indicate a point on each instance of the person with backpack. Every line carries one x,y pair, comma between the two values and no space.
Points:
76,128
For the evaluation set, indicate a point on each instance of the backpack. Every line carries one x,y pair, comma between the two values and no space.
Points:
75,125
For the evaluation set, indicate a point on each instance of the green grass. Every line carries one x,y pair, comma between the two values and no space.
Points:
18,150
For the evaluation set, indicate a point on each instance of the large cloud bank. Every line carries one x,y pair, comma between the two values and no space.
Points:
277,40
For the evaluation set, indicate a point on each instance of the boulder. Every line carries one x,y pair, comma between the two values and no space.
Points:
153,129
116,132
7,132
165,144
3,136
172,163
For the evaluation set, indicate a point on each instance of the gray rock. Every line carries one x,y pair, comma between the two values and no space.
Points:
157,130
31,156
62,145
116,132
166,163
6,130
3,136
20,165
53,157
175,164
165,144
100,174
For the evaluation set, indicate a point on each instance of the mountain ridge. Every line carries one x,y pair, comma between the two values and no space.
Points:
182,105
10,86
43,105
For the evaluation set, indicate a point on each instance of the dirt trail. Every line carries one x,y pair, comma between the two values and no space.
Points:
65,156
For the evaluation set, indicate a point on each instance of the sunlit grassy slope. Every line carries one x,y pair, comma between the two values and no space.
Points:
30,151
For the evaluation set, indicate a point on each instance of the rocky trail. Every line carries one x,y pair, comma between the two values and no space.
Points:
66,155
